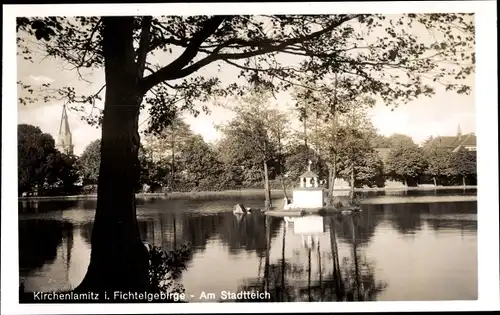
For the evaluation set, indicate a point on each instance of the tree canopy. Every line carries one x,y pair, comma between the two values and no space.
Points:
89,162
40,165
384,55
464,164
406,162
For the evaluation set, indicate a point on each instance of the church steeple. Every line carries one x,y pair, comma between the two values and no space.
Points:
65,141
459,132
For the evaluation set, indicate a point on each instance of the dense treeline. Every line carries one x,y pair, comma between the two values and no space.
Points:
256,147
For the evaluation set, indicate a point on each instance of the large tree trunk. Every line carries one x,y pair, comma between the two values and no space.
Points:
434,180
118,260
463,181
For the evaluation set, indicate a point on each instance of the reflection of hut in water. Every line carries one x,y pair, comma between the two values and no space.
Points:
309,228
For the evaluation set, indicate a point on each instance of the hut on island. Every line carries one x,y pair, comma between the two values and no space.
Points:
309,194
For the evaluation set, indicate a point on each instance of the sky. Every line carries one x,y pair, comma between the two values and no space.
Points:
439,115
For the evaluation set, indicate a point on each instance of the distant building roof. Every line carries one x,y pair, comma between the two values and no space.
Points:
455,142
308,174
470,140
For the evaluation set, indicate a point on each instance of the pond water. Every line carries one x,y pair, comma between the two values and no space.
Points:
416,246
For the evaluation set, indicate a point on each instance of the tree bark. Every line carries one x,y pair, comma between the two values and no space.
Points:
118,260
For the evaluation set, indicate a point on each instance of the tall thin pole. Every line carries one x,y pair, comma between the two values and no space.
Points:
305,133
333,170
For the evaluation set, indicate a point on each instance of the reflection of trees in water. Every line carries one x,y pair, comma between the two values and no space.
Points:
464,207
171,229
408,218
405,218
359,283
284,280
369,218
450,224
246,232
352,279
38,242
42,206
87,204
197,229
86,231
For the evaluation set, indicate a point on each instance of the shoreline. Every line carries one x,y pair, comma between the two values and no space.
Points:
243,193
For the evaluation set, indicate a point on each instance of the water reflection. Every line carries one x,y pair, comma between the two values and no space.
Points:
352,279
39,241
424,192
362,257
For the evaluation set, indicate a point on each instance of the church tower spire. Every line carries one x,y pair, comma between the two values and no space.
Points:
65,141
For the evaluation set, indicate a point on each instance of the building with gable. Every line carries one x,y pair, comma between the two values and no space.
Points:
451,143
454,143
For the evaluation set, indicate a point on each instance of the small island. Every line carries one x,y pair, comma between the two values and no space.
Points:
310,198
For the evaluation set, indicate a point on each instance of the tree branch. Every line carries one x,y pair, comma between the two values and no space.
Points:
142,51
175,69
290,42
191,51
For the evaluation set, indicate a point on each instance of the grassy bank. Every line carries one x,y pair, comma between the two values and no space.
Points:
243,193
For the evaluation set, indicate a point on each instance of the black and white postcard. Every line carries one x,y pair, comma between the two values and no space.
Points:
196,157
